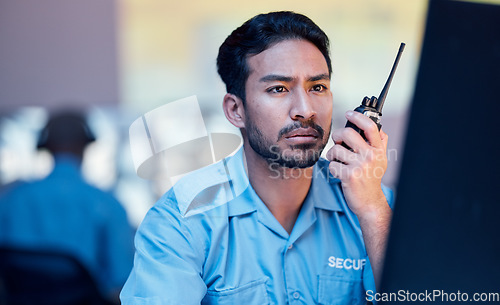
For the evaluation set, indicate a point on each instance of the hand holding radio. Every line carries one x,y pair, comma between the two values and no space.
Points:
372,107
359,156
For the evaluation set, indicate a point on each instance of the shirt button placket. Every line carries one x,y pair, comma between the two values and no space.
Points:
294,295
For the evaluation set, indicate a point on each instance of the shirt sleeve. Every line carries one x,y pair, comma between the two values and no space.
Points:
368,279
389,195
168,262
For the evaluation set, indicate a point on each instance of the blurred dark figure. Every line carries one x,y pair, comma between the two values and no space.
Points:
62,231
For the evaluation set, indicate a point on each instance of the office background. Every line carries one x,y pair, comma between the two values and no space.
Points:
118,59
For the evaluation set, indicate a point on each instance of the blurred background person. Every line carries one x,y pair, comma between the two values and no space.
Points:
63,213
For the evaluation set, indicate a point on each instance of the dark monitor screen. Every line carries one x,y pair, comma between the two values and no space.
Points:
445,233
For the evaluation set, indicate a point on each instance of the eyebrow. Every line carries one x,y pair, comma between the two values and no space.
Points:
283,78
275,77
323,76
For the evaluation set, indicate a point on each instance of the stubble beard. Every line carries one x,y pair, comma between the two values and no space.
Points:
300,156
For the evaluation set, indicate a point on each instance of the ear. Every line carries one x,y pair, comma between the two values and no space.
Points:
234,110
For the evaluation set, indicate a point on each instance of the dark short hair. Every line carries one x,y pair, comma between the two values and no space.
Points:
259,34
66,129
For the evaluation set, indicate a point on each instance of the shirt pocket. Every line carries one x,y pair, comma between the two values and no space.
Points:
251,293
336,290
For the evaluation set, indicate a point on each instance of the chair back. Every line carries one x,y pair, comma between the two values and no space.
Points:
45,277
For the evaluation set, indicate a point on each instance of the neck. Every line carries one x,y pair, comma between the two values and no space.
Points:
64,156
283,190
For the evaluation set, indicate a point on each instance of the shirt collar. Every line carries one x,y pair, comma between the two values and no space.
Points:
244,199
325,191
226,182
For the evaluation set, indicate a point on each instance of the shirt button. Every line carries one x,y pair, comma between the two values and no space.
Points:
296,295
290,247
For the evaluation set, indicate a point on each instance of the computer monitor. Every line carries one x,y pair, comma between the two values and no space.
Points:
445,233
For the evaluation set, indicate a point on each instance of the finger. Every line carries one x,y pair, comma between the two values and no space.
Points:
337,169
367,125
338,153
385,139
350,137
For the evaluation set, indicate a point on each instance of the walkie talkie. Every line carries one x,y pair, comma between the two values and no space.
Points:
372,107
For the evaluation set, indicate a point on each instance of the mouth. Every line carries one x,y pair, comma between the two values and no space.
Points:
302,135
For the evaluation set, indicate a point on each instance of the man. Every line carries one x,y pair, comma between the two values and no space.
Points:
64,214
291,229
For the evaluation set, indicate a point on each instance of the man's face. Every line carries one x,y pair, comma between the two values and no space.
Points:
288,108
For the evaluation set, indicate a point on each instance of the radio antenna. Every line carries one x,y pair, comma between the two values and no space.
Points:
383,93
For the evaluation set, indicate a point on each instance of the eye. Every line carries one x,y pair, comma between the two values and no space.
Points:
277,89
319,88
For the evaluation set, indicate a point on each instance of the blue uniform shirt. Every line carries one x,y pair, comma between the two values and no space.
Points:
211,240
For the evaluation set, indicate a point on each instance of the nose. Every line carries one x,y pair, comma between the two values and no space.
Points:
302,106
